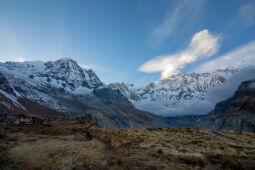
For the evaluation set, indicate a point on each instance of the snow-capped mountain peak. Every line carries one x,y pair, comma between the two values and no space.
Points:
173,90
68,71
62,73
66,87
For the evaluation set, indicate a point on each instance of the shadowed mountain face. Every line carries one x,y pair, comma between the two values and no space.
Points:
236,113
65,87
242,103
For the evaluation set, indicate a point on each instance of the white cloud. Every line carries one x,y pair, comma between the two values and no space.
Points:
87,66
202,45
184,11
21,59
16,59
93,67
247,13
242,56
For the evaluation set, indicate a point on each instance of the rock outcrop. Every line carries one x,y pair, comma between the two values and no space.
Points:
236,113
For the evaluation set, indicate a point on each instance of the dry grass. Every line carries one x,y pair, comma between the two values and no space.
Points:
59,152
175,148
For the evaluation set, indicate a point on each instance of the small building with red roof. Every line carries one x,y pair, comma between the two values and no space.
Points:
9,119
30,119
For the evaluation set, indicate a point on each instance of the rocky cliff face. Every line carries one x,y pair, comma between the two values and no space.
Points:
66,87
172,91
236,113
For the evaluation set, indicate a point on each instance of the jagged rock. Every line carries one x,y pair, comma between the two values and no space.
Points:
83,136
236,113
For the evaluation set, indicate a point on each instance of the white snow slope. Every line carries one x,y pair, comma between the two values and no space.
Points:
169,96
33,78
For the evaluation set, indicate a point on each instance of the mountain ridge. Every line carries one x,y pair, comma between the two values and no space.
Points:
64,86
172,91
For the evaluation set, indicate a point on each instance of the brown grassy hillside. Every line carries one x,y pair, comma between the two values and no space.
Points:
65,145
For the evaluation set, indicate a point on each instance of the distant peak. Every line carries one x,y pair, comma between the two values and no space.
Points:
179,73
67,59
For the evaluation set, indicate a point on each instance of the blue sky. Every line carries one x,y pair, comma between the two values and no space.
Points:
134,41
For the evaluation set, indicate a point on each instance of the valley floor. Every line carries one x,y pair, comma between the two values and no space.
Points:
65,145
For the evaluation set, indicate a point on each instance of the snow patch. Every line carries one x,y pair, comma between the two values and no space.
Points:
5,104
13,99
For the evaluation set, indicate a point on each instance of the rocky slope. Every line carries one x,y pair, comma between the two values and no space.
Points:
236,113
183,121
163,95
66,87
